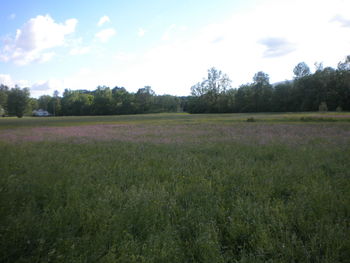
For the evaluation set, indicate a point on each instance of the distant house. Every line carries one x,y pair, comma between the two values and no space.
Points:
41,113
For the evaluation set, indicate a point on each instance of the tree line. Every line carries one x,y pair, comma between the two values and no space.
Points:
325,89
102,101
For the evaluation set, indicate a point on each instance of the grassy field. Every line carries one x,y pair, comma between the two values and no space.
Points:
176,188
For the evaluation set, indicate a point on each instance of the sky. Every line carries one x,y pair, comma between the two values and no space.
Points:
166,44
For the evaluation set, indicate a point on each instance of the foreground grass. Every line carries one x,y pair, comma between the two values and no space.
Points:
191,202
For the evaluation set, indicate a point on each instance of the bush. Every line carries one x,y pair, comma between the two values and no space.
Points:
251,119
339,109
323,107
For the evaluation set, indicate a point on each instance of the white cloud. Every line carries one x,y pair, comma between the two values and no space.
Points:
37,88
269,37
46,87
103,20
105,34
141,32
35,37
7,80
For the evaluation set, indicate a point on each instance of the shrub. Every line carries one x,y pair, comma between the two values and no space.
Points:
323,107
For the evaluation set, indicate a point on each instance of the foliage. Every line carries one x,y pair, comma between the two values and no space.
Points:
251,119
323,107
144,99
44,101
3,97
305,93
301,70
32,105
210,94
17,101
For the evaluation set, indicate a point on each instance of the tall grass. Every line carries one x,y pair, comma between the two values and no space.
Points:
191,202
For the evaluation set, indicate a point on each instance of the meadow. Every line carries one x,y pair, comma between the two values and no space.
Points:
176,188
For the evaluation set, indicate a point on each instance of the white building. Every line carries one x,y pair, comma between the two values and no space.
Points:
41,113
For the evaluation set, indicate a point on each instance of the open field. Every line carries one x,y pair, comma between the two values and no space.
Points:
176,188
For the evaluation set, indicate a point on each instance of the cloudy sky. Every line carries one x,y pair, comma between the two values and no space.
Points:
167,44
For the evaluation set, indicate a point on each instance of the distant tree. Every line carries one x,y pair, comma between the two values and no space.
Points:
282,99
262,92
261,79
102,101
76,103
44,101
344,66
17,101
323,107
342,84
3,98
166,103
217,82
301,70
123,102
210,92
198,89
144,99
318,66
244,98
32,105
55,104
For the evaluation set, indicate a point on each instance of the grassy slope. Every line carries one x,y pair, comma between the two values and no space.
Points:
143,202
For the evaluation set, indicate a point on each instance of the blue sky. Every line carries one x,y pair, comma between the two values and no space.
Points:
169,45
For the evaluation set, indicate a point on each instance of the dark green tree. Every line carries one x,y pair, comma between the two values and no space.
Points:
102,101
3,99
76,103
32,105
123,102
44,102
144,99
17,101
244,98
166,103
54,105
262,92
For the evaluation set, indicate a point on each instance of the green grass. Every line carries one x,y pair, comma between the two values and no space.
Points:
172,118
207,201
